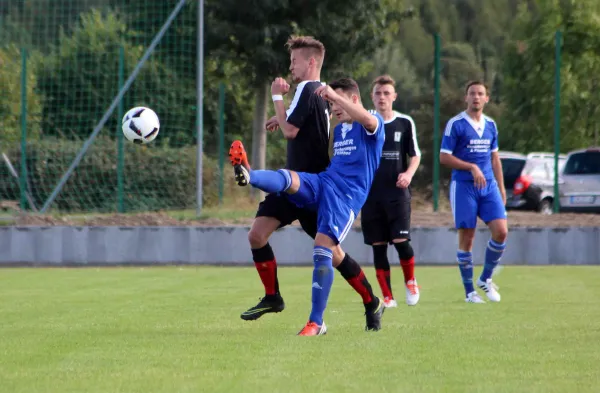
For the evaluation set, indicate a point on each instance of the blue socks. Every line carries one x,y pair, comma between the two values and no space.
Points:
465,264
271,181
321,283
493,253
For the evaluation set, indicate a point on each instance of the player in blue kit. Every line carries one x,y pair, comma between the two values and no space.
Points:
470,148
337,194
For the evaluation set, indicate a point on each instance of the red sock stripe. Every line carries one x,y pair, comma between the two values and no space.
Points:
408,268
358,284
383,277
267,271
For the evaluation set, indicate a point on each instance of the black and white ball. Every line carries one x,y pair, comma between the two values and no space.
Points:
140,125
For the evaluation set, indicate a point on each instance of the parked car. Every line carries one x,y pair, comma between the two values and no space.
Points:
580,181
529,180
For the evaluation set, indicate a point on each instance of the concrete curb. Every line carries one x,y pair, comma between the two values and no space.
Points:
111,245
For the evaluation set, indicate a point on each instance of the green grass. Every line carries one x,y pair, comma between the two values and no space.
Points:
178,330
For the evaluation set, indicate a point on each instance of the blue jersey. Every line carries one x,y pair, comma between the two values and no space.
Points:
472,142
356,156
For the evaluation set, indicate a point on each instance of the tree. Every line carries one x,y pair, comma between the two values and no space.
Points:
529,76
349,34
10,103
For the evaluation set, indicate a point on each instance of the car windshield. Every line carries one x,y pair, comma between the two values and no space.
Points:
511,168
585,163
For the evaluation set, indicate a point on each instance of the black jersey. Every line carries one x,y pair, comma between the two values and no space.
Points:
309,150
400,144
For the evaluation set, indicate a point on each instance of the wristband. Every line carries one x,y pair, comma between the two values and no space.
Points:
277,97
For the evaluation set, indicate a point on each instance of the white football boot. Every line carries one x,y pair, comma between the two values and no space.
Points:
412,292
490,289
389,302
474,297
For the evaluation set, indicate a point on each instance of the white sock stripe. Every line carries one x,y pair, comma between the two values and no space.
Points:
288,178
322,252
496,244
495,249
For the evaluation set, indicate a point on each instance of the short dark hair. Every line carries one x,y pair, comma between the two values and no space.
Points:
477,83
315,47
347,85
384,80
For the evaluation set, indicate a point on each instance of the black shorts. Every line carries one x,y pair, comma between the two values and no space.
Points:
279,207
384,221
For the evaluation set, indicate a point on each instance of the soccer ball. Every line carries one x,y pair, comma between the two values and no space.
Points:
140,125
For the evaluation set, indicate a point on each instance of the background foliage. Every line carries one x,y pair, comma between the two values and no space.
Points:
73,75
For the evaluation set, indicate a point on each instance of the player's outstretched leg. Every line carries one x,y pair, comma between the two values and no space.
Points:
265,180
321,286
239,160
407,261
355,276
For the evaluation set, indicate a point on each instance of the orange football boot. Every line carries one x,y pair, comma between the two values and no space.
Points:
312,329
239,160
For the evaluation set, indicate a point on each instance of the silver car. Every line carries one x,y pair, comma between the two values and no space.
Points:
529,180
580,181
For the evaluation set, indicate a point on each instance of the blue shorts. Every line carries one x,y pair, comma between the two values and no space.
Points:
334,217
469,202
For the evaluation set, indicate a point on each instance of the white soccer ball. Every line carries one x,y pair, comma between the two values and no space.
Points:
140,125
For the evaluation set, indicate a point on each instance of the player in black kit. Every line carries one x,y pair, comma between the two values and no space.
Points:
305,125
385,216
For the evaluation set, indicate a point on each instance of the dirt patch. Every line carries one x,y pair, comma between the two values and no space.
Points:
515,219
420,218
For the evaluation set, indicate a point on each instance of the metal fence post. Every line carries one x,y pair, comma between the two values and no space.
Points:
436,124
120,146
199,105
557,118
23,175
221,139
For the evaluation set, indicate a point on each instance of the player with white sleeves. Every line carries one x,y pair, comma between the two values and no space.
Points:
470,148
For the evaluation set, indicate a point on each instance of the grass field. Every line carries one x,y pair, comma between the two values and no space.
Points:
178,330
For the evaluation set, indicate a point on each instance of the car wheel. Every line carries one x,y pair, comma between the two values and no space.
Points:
545,207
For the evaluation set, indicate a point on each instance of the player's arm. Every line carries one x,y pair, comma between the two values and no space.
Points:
448,159
497,167
279,88
411,146
356,111
453,162
446,152
413,165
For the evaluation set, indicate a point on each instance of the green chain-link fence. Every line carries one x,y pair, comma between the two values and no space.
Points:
78,53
